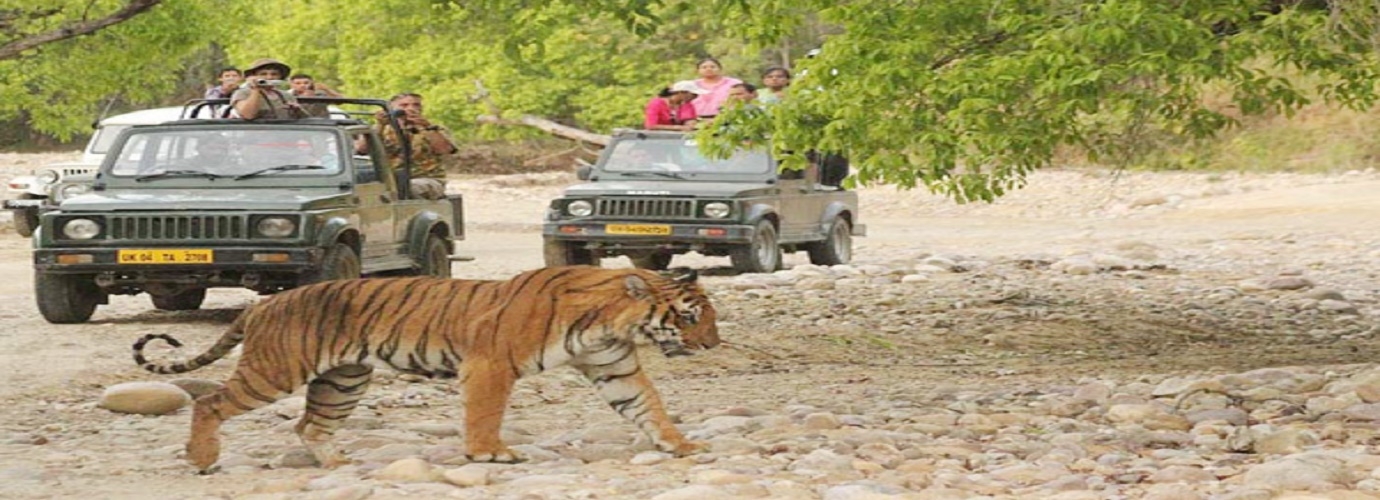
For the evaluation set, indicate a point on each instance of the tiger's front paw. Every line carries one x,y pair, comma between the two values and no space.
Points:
684,448
502,455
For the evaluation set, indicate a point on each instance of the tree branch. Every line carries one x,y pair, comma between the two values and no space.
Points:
16,48
496,118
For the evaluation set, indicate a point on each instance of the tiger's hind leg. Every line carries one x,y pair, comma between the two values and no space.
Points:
629,391
238,396
331,397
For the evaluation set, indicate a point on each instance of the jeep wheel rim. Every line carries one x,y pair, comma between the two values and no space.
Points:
766,248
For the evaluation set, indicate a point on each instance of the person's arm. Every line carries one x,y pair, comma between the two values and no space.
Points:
436,136
248,107
330,92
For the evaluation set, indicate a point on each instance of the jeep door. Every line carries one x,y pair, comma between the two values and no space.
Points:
376,190
801,205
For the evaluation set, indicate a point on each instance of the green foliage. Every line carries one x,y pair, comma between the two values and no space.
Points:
967,99
61,86
575,62
963,98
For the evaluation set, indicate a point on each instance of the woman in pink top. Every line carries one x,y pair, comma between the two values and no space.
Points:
671,110
716,86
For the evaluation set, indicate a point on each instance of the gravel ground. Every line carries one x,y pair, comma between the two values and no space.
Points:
1094,336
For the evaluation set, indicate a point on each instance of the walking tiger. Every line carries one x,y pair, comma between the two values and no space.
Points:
330,336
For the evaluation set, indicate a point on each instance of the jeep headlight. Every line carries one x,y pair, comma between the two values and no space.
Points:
71,190
276,227
717,210
81,229
48,176
580,208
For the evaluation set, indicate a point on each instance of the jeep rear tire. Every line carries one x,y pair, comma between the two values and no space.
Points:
567,253
837,247
762,254
25,221
186,300
340,263
435,258
66,298
654,262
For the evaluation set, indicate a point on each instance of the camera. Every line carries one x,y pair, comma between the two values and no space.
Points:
269,83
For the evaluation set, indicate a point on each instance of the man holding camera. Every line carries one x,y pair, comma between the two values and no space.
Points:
260,97
433,149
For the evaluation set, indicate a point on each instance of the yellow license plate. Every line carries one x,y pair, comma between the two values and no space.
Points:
167,256
640,229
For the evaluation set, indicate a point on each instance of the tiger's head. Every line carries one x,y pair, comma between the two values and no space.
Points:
681,316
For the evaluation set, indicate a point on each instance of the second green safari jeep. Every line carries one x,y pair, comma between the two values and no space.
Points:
652,195
267,205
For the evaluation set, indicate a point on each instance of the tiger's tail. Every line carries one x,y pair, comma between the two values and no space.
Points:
227,342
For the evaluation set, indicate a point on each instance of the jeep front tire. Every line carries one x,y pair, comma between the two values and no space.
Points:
66,298
435,258
340,263
25,221
762,254
837,247
567,253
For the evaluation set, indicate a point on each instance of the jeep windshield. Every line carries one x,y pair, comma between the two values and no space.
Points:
678,157
236,153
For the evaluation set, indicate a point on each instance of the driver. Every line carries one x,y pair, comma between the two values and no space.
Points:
212,155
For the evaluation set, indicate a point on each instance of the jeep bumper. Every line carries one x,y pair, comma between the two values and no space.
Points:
25,204
642,235
237,261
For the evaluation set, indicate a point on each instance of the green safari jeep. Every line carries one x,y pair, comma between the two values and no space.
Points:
652,195
268,205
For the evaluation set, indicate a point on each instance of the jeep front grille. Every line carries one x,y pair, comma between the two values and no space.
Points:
181,227
646,207
74,171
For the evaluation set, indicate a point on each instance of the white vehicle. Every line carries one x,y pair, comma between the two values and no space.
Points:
45,188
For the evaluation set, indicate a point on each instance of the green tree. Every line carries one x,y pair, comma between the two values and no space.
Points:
967,98
61,59
564,61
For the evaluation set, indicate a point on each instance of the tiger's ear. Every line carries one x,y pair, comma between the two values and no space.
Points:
637,287
683,275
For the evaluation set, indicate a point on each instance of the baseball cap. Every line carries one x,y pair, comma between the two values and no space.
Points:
688,86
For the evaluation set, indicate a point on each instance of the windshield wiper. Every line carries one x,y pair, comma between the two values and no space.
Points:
177,173
671,175
279,168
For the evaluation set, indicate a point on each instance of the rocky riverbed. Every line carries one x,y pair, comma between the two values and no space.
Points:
1165,336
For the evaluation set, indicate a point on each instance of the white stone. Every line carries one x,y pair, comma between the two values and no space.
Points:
1299,472
144,398
821,421
467,475
693,492
649,458
719,477
407,470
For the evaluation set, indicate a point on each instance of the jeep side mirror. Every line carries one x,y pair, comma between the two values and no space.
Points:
583,173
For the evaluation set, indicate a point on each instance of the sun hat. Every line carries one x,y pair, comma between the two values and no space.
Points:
688,86
261,63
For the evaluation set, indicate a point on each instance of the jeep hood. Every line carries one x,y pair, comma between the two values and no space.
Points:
668,187
208,199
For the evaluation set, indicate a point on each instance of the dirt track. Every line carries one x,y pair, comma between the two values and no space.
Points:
1192,232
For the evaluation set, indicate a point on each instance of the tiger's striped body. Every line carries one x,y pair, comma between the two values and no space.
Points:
332,335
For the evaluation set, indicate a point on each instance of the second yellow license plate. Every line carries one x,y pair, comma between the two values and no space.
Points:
640,229
198,256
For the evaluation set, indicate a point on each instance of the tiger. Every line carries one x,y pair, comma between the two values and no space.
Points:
331,336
